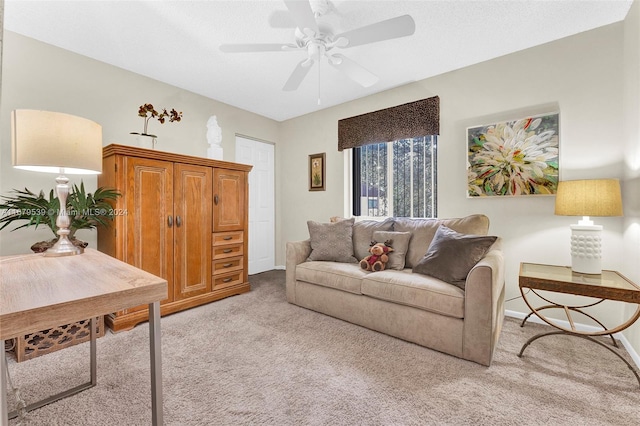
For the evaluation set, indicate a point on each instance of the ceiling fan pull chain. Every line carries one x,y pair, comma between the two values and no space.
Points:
319,65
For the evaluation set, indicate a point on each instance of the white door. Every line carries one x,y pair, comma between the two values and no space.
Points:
262,245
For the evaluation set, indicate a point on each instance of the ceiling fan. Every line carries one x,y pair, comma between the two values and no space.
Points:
319,41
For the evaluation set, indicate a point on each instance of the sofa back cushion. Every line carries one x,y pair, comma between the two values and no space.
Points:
363,235
423,230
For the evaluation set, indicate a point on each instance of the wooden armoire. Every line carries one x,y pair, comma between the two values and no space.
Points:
179,217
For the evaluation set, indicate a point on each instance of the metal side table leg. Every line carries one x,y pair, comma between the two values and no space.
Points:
155,349
551,333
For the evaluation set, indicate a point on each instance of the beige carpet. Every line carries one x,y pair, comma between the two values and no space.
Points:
255,359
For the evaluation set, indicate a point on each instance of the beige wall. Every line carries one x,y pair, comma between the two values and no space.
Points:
40,76
590,78
581,76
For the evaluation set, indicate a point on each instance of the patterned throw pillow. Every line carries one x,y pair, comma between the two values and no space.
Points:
363,235
332,241
400,245
452,255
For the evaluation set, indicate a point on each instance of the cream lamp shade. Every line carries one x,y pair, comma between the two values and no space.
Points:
597,197
46,141
53,142
592,197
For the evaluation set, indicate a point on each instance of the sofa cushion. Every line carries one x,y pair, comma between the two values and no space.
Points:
332,241
420,291
452,255
423,230
363,235
400,245
341,276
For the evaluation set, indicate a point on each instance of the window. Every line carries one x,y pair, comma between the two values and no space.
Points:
395,178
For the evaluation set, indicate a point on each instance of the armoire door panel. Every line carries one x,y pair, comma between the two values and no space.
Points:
192,230
229,208
149,206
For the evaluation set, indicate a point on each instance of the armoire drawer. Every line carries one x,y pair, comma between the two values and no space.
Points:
224,238
223,266
227,280
231,250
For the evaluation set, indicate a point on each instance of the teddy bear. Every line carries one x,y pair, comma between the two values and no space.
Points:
378,258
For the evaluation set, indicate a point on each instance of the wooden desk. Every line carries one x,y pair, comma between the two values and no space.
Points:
37,293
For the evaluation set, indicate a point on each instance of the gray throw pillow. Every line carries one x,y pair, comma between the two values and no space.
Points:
332,241
423,230
452,255
400,245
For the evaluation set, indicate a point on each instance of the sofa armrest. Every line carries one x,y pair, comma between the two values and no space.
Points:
484,306
297,252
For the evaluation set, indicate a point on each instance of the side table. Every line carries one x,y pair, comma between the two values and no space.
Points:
610,285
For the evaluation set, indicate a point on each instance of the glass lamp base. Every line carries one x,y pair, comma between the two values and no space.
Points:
63,247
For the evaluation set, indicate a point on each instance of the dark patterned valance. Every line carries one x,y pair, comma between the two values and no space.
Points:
419,118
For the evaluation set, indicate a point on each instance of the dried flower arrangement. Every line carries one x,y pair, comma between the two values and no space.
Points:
148,112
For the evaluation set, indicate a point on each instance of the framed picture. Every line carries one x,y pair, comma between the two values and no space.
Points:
316,172
514,158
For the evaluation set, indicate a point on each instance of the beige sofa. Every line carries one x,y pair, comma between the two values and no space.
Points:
463,322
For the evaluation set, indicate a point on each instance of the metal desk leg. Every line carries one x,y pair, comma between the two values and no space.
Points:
156,363
93,324
4,412
91,383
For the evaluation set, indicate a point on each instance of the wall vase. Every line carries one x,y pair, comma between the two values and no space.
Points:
144,140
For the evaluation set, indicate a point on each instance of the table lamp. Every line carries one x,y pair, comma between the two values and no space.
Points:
54,142
594,197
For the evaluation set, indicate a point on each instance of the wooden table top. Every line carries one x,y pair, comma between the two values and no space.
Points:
561,279
37,292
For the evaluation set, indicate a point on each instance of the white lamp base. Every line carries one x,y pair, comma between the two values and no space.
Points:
586,249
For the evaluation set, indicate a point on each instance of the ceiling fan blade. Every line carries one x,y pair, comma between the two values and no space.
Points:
298,74
353,70
400,26
257,47
302,14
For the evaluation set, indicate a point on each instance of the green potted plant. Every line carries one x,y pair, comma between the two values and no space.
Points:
85,211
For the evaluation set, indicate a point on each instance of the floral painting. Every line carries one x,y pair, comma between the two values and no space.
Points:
316,172
517,157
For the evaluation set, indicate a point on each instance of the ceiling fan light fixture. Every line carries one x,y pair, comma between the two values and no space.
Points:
318,38
339,42
335,60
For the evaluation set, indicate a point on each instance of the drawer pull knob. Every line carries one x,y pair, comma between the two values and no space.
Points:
227,250
227,265
226,280
227,238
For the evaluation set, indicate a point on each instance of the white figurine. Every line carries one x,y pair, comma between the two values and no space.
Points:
214,138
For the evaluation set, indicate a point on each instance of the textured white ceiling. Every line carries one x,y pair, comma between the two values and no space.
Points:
177,42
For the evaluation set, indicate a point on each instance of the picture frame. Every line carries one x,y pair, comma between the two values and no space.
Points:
514,158
317,172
